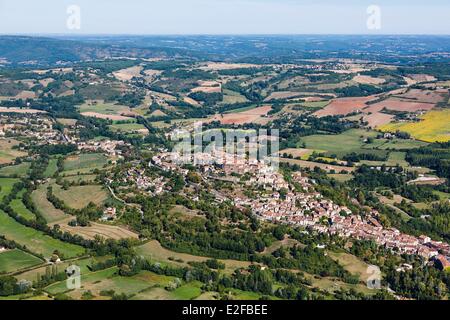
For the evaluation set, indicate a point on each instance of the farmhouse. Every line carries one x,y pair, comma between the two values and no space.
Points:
109,214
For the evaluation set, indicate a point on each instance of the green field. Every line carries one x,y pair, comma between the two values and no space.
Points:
14,260
126,127
137,286
253,106
85,162
188,291
342,144
86,278
395,157
231,97
6,185
103,108
32,275
244,295
153,250
34,240
79,197
341,177
19,208
89,178
442,195
399,144
51,168
19,170
45,207
315,104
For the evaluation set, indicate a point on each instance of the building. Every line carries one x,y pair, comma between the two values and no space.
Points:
442,262
109,214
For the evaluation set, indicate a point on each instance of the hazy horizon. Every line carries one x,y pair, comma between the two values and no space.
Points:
81,35
224,17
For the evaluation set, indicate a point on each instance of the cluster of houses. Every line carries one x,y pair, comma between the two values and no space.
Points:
310,209
40,128
143,182
109,147
307,208
31,126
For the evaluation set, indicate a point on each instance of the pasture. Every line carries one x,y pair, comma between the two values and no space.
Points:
14,260
188,291
103,110
153,250
87,278
395,158
128,127
311,165
139,287
398,144
278,95
32,275
78,197
20,170
6,185
315,104
230,97
105,231
85,162
89,178
34,240
351,263
341,177
7,151
18,207
45,207
51,168
344,143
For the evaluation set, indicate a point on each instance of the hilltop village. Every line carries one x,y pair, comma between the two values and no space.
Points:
306,208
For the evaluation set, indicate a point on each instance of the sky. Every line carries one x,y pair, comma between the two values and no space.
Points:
224,17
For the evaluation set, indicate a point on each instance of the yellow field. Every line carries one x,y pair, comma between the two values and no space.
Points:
434,127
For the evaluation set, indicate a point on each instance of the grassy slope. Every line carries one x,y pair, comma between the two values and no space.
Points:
34,240
16,259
